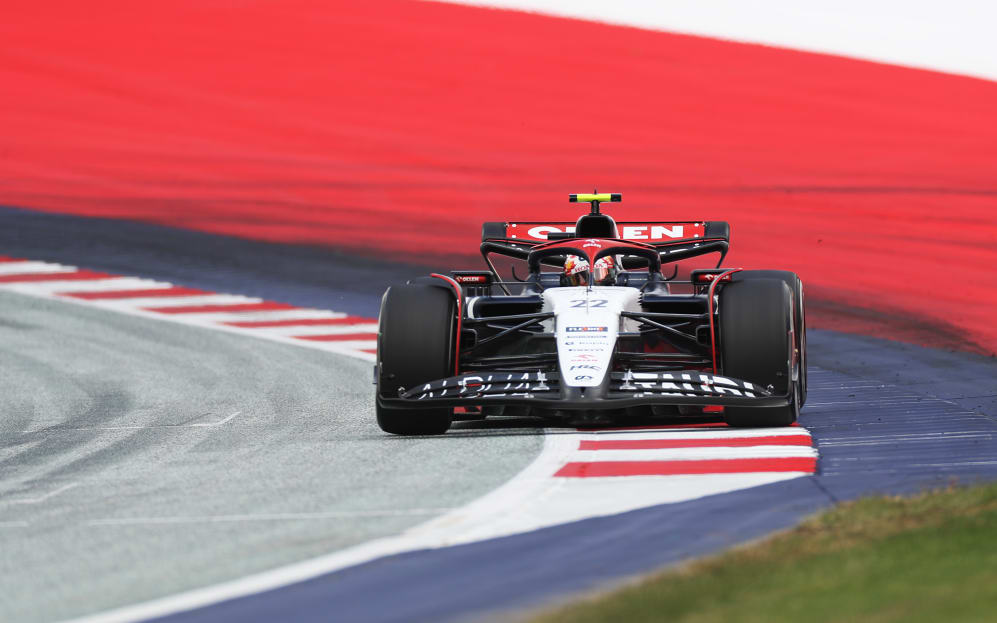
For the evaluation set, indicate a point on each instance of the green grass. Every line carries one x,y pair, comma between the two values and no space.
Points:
927,558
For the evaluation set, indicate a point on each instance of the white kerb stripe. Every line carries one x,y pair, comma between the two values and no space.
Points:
318,329
33,268
702,433
260,316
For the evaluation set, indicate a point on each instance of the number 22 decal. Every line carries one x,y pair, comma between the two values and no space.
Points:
575,303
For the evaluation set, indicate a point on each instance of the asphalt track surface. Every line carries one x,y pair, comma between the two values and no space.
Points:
78,500
142,458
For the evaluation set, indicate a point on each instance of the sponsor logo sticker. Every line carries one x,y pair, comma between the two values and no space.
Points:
471,278
587,329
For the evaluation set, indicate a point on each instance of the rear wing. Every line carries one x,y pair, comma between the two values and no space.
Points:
674,240
649,232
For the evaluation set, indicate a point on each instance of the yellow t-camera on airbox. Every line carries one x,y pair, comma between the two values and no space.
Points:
600,197
595,199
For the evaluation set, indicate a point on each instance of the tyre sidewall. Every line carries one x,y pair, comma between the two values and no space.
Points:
416,344
795,284
756,319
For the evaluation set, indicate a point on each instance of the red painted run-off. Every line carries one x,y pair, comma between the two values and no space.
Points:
600,469
133,294
213,309
80,275
397,127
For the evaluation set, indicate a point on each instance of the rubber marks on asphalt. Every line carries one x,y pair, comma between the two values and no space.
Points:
313,328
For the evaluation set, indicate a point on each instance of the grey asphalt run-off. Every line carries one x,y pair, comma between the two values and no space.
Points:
141,458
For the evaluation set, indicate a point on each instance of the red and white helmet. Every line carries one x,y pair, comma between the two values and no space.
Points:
577,272
604,272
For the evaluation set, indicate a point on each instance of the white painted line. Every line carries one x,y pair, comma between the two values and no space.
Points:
49,287
28,267
220,422
137,521
693,454
47,496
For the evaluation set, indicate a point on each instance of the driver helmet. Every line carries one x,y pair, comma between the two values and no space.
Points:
576,271
605,271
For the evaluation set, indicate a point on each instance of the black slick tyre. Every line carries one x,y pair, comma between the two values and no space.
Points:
757,345
415,344
800,317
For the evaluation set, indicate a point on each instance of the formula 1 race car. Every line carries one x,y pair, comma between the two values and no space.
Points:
610,321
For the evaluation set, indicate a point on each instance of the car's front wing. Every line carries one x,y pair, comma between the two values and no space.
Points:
621,389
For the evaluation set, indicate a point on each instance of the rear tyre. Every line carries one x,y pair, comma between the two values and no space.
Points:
799,318
756,325
415,344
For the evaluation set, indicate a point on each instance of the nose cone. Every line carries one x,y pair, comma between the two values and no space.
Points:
587,323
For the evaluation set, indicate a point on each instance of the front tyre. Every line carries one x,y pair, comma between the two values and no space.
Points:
415,344
757,344
799,318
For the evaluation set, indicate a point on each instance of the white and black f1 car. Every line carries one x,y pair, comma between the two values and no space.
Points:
594,329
